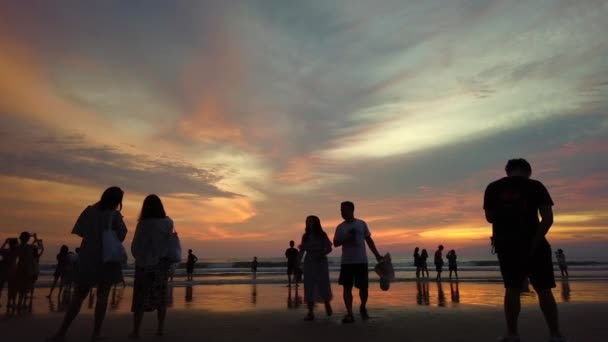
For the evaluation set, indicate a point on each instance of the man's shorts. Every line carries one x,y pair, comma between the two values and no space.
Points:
439,268
291,269
354,274
515,266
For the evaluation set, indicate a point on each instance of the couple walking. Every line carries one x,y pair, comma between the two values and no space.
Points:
352,235
150,248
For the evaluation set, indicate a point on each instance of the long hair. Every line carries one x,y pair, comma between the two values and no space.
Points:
424,253
314,229
111,199
152,208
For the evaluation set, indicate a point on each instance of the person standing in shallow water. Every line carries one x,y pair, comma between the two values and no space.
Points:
561,262
92,271
315,246
452,266
424,255
352,235
417,262
292,261
439,261
150,248
192,259
254,267
512,205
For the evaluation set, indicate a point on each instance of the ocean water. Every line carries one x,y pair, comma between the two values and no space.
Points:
273,271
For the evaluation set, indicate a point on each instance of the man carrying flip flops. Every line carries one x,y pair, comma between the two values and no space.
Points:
352,235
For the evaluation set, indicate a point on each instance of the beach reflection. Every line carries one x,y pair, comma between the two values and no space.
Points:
189,294
440,294
422,293
249,297
295,301
565,290
455,292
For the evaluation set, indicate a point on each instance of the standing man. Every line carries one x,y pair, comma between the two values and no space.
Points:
352,235
292,261
439,262
192,259
512,204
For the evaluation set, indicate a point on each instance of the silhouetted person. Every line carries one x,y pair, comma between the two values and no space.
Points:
352,235
150,248
8,266
27,268
192,259
452,265
423,264
561,262
64,265
92,271
440,295
439,262
254,267
512,204
455,292
314,248
417,263
292,261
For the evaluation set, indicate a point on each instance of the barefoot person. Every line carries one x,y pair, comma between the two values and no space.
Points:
92,271
8,264
512,204
315,246
352,235
192,259
452,266
561,261
150,249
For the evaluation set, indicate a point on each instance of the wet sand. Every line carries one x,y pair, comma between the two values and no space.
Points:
266,312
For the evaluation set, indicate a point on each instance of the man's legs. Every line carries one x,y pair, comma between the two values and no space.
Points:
512,308
549,308
348,298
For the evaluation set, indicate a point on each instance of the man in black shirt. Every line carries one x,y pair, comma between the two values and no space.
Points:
292,260
512,205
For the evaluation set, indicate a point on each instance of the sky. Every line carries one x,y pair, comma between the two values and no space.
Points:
247,116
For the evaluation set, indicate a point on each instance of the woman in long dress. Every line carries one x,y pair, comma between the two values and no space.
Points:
314,249
92,271
150,249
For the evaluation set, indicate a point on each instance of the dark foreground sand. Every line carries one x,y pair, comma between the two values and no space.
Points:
581,323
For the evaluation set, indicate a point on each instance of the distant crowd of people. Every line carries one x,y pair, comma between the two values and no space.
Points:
512,205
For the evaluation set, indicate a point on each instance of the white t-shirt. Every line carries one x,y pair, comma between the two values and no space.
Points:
352,235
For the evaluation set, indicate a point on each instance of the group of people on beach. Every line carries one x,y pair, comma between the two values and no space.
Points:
420,263
19,269
512,205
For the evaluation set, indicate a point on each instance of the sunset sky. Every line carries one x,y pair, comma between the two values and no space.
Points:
247,116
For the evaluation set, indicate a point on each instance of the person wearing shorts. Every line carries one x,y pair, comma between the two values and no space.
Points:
352,235
512,205
292,262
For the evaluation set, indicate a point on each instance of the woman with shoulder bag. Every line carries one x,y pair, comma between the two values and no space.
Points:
100,259
154,252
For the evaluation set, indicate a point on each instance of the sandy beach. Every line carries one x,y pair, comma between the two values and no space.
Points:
265,312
